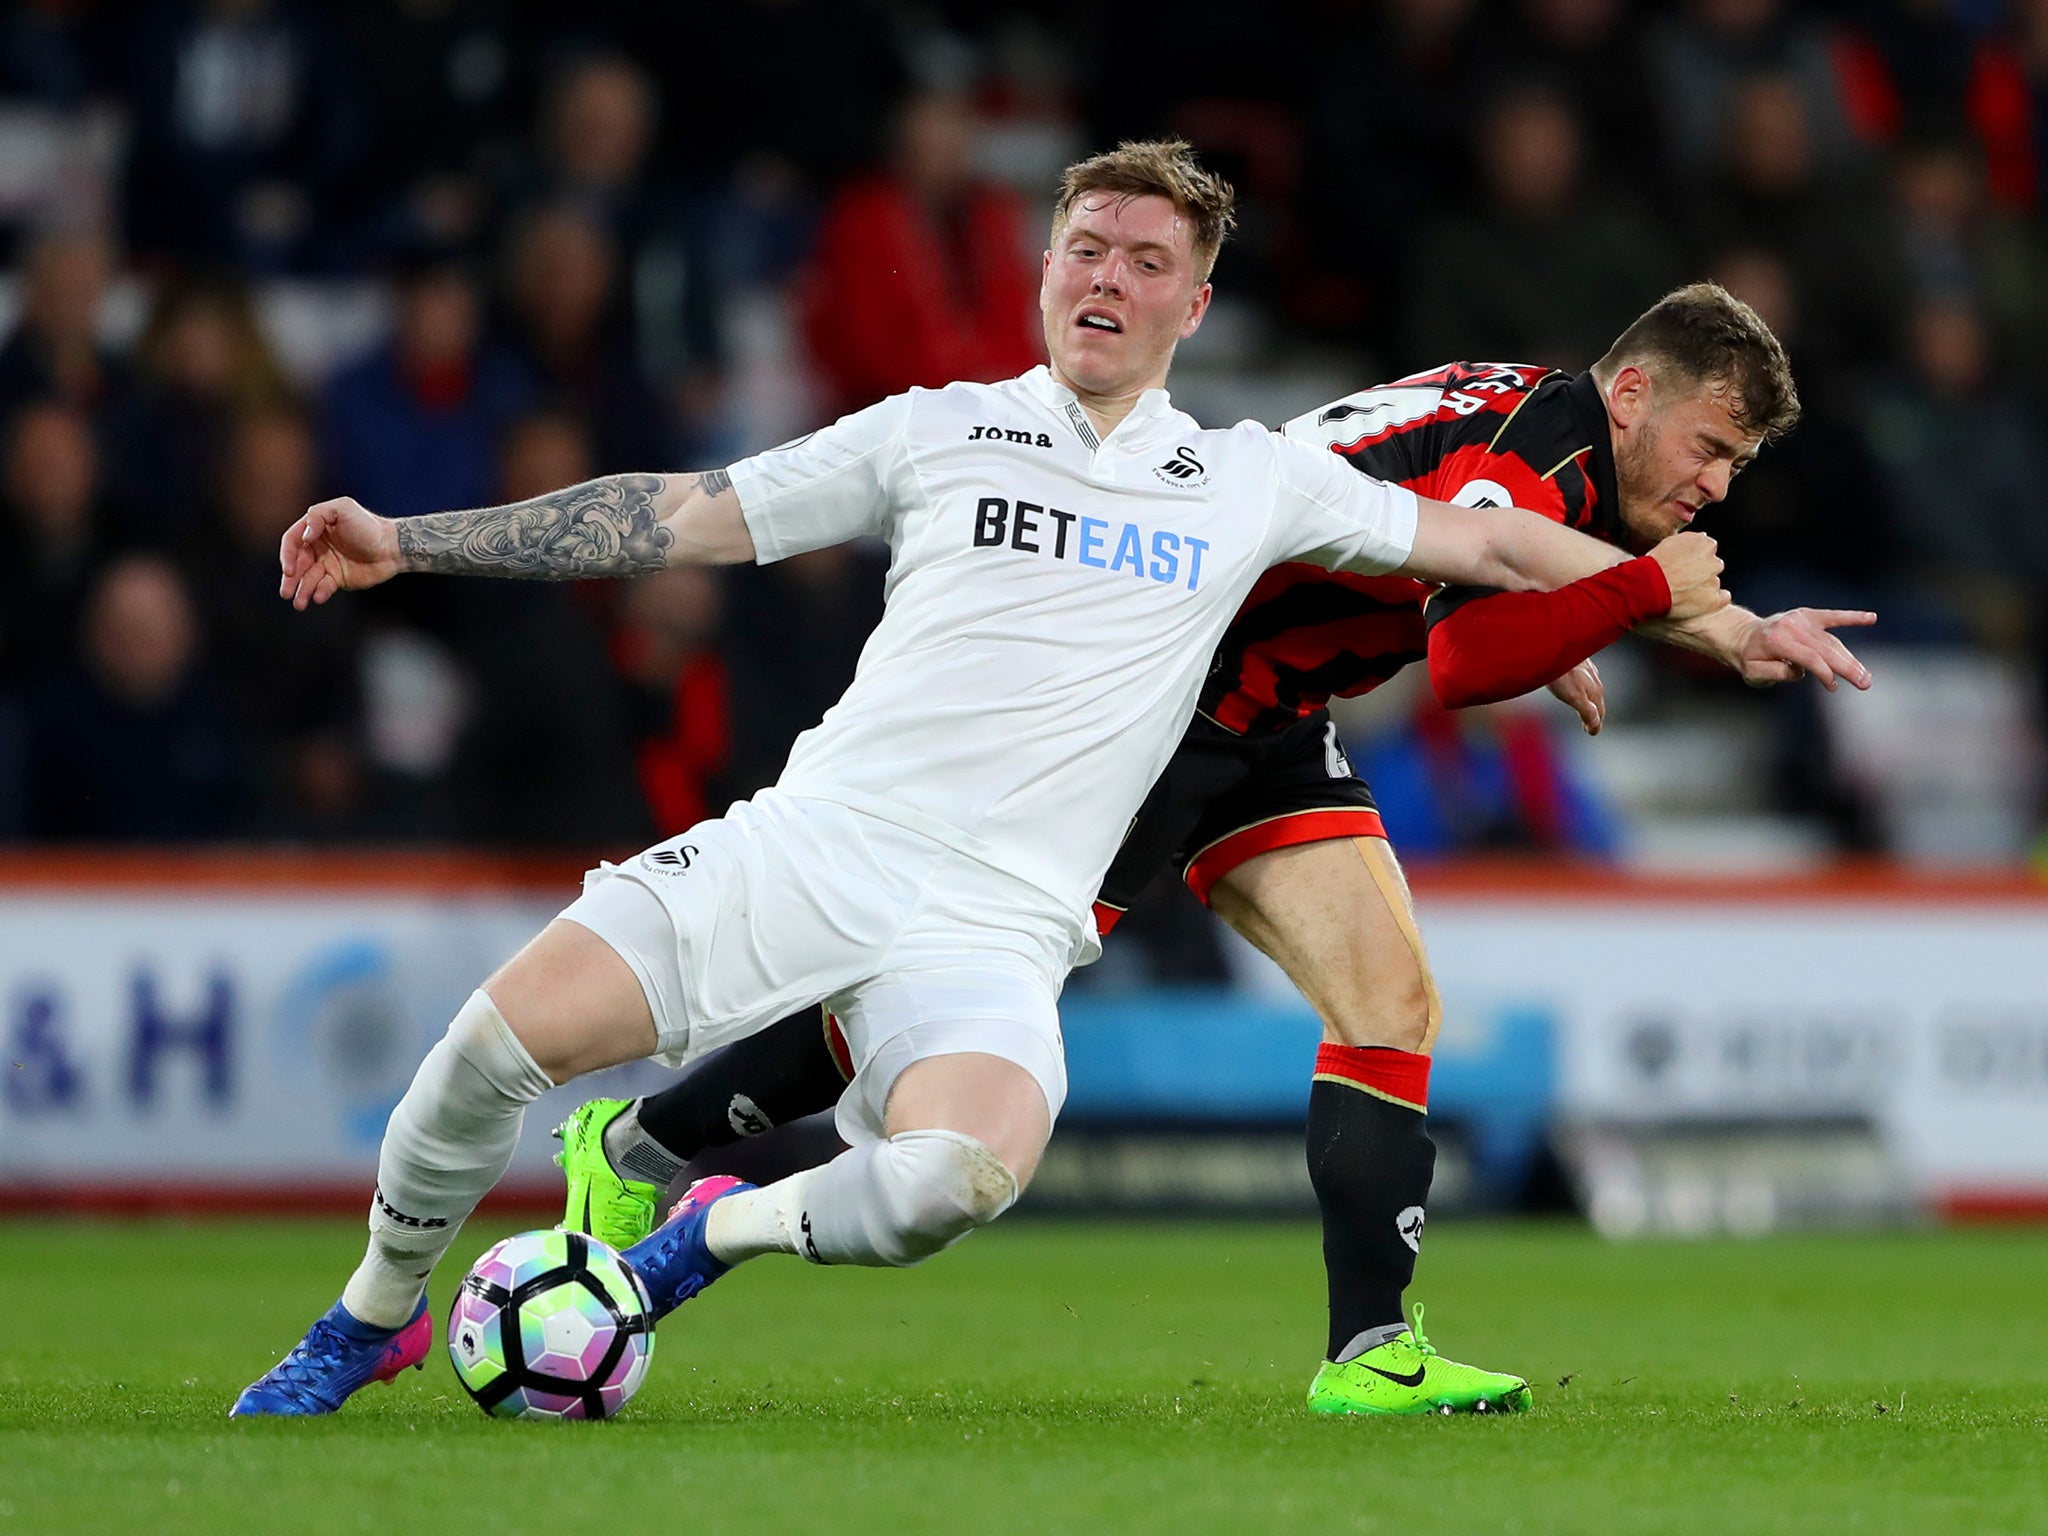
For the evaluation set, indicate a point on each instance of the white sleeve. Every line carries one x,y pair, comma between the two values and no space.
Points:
1327,513
825,488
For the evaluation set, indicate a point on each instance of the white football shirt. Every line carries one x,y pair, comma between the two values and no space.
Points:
1052,602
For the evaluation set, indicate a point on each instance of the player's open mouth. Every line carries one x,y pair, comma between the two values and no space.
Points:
1098,320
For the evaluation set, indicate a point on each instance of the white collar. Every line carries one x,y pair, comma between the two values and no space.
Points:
1151,404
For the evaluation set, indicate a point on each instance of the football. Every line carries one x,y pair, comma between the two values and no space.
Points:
550,1325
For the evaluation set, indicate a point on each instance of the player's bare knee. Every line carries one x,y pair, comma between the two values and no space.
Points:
573,1002
990,1100
1401,1012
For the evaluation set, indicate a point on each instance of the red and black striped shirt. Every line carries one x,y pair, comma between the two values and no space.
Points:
1479,434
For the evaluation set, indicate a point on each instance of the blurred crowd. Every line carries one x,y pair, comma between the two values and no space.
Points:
447,253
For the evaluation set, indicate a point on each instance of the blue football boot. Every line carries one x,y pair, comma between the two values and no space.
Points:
673,1261
337,1358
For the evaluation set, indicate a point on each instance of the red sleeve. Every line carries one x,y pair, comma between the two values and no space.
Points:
1500,647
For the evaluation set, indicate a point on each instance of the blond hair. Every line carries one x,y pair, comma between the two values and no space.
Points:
1156,168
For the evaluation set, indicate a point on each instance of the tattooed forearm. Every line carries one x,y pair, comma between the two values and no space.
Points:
607,527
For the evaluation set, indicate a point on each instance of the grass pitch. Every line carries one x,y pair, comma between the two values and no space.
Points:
1052,1378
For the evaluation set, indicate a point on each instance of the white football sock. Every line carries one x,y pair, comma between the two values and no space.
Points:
889,1204
448,1141
757,1221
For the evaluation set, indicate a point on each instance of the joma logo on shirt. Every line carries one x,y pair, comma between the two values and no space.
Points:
1008,435
1167,558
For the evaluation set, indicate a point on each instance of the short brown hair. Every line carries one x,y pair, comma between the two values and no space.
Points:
1157,168
1703,334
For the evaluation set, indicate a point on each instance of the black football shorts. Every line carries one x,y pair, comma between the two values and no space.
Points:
1226,798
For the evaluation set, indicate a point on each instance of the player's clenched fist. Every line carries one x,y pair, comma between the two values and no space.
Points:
1693,570
338,546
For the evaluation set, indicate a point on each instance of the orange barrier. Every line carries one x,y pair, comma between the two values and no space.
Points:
437,871
434,871
1847,880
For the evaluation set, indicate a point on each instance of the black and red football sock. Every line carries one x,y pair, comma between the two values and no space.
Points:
1370,1159
787,1071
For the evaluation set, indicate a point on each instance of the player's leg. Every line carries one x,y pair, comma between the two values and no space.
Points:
964,1133
615,1155
566,1004
1335,917
1335,914
959,1078
619,1155
794,1068
1296,860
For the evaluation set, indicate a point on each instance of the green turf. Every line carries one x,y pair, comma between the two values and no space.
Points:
1051,1378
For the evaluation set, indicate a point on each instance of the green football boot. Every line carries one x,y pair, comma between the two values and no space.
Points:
617,1211
1407,1375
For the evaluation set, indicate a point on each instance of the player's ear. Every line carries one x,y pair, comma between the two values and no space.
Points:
1197,307
1628,396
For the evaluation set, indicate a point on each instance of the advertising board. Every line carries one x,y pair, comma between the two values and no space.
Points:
176,1040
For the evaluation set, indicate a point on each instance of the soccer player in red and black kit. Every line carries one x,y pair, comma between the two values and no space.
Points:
1261,813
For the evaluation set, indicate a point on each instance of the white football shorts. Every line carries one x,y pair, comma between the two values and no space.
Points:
787,902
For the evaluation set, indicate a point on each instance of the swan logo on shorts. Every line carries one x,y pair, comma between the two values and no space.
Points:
674,860
1409,1225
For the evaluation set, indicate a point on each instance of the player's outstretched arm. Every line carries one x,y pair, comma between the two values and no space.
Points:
1519,551
1774,648
619,525
1488,646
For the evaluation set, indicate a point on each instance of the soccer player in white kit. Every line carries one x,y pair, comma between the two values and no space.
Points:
1067,549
